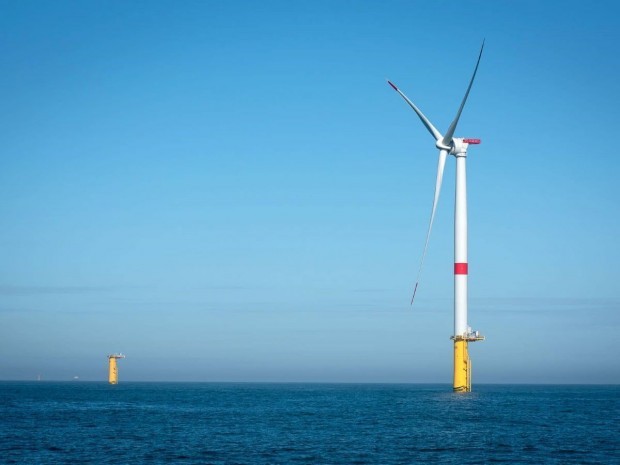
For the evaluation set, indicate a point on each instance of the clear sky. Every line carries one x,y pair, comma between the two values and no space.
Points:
230,191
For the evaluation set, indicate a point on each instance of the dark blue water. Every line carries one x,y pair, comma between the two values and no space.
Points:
306,423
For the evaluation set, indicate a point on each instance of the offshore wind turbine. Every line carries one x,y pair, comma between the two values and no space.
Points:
456,146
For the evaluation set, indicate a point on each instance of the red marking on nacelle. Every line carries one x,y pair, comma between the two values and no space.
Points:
393,86
471,141
460,268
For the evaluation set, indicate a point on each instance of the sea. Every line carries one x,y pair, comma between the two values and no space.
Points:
246,423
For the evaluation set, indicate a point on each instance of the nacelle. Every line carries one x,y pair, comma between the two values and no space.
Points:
459,146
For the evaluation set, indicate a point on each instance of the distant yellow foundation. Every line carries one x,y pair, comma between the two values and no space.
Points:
113,368
462,367
113,371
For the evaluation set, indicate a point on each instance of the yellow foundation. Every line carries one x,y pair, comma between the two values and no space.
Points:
113,368
113,371
462,367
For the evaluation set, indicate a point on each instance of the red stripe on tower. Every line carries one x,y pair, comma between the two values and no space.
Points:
460,268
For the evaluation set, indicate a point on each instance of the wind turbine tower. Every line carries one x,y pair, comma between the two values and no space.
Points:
113,368
456,146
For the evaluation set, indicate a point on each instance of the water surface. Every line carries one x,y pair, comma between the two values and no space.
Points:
213,423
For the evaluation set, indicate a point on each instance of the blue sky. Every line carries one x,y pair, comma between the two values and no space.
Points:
230,191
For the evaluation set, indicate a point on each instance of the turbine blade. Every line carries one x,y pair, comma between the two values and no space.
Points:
434,132
440,167
450,132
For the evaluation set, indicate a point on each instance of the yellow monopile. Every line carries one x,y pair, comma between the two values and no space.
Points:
462,381
113,368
